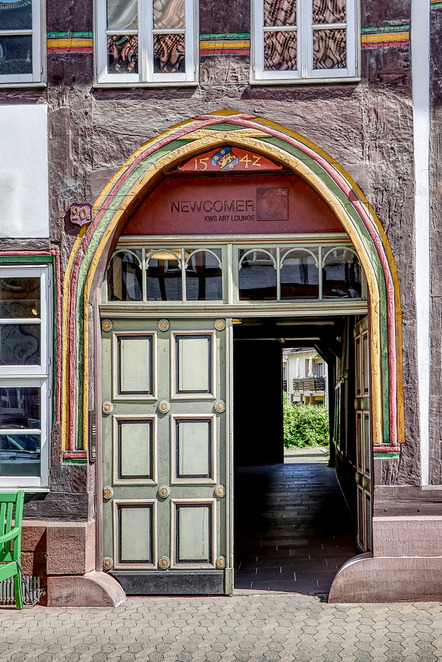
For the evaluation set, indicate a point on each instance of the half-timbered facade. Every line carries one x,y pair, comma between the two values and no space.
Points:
186,188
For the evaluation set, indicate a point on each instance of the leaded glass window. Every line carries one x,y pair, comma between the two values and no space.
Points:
20,41
304,39
146,41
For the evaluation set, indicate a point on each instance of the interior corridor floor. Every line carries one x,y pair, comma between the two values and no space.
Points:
293,527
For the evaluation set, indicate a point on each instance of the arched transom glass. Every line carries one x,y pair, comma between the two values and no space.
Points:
235,272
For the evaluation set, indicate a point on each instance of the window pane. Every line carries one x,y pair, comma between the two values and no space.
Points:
122,14
168,14
280,51
299,276
282,12
15,15
124,279
19,297
19,344
329,11
19,407
20,454
257,276
330,49
169,53
203,277
16,55
341,275
122,54
163,279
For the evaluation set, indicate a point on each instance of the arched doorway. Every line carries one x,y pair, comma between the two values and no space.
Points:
307,209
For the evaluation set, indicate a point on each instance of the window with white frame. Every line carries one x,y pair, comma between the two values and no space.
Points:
25,360
146,41
20,41
301,40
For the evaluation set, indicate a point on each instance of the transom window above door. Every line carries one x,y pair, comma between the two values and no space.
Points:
231,273
146,41
302,40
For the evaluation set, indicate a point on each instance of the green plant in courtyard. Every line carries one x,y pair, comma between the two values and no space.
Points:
304,425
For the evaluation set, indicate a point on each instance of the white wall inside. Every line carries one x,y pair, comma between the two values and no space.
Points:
24,204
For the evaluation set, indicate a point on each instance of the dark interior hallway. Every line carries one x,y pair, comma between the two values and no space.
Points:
293,528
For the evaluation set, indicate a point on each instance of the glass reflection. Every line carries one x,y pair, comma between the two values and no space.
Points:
169,53
19,454
329,49
168,14
20,407
280,51
204,276
122,14
257,275
124,279
19,344
329,11
16,15
122,54
341,275
279,13
16,55
19,297
299,276
163,277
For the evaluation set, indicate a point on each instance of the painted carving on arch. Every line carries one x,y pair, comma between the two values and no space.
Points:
227,159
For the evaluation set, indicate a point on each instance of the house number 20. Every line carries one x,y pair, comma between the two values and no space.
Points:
81,214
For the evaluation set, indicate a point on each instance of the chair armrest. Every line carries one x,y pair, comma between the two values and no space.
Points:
11,535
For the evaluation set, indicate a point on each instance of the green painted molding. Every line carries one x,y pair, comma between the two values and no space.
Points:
225,35
388,28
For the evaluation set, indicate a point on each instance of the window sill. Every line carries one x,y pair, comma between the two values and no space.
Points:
136,86
344,80
8,86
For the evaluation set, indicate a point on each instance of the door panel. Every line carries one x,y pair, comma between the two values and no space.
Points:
166,455
363,435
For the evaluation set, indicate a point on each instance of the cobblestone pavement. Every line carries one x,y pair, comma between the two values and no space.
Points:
252,628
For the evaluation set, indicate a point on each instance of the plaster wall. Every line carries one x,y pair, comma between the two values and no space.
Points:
24,207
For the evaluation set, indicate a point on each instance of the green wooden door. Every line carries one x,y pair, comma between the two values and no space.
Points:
167,513
363,435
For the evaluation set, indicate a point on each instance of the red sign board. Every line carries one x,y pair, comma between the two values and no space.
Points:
229,159
223,204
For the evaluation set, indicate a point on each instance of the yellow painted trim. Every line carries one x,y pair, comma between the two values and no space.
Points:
384,36
242,139
65,401
73,42
231,43
204,133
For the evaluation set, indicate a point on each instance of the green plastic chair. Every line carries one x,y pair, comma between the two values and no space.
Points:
10,530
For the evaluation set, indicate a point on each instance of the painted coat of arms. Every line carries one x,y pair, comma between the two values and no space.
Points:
225,159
